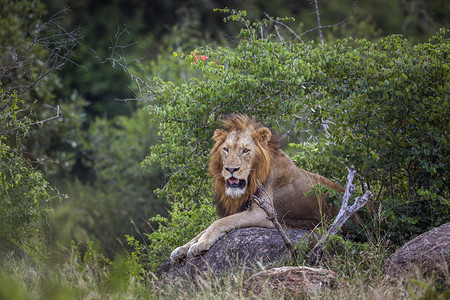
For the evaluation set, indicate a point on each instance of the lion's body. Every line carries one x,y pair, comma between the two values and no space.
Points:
290,188
245,155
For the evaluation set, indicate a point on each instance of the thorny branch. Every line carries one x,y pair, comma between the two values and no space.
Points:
268,208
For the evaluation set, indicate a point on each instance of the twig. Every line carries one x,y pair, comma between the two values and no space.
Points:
344,214
57,67
59,43
272,216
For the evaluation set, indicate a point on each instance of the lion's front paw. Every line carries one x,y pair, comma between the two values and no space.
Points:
198,248
178,253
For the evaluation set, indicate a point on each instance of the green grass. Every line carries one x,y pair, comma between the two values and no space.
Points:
89,275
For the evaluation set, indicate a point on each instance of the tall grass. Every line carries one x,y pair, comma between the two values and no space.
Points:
76,274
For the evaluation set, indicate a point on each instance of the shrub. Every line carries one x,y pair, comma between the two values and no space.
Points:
25,196
388,102
384,105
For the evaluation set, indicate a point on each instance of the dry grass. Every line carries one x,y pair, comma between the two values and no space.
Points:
93,278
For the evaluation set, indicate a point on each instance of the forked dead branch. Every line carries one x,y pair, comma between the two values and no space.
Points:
345,212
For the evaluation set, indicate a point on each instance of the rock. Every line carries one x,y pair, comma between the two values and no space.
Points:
240,248
429,251
291,281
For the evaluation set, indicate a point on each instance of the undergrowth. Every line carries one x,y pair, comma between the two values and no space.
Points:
81,272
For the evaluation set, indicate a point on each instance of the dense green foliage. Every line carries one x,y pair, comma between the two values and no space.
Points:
388,102
385,104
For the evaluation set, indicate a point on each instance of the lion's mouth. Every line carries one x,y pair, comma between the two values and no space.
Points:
235,183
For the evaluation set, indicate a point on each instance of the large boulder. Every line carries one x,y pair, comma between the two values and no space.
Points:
429,251
293,282
248,248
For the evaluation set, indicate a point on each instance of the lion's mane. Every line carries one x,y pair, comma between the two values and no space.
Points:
264,156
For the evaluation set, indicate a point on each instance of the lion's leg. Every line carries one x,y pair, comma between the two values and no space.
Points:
253,217
181,251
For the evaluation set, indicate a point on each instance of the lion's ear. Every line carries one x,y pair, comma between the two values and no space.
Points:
219,135
262,135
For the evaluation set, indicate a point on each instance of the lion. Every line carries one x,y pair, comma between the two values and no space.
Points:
246,154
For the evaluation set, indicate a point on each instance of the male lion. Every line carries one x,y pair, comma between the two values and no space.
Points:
245,154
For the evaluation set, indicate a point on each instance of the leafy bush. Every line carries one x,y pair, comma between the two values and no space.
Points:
382,105
25,196
388,102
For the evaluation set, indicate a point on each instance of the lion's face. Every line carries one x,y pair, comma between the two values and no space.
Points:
237,153
241,159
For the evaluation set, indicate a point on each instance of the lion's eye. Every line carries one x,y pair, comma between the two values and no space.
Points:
226,150
245,151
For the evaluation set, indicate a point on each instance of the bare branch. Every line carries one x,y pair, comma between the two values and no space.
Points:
334,25
344,214
409,17
318,21
53,37
278,34
40,78
119,59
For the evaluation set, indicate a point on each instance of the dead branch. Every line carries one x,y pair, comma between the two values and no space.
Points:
57,45
318,21
272,216
278,34
320,27
344,214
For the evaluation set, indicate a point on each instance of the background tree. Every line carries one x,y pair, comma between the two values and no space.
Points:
32,51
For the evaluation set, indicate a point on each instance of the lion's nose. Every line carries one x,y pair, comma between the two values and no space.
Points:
232,170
